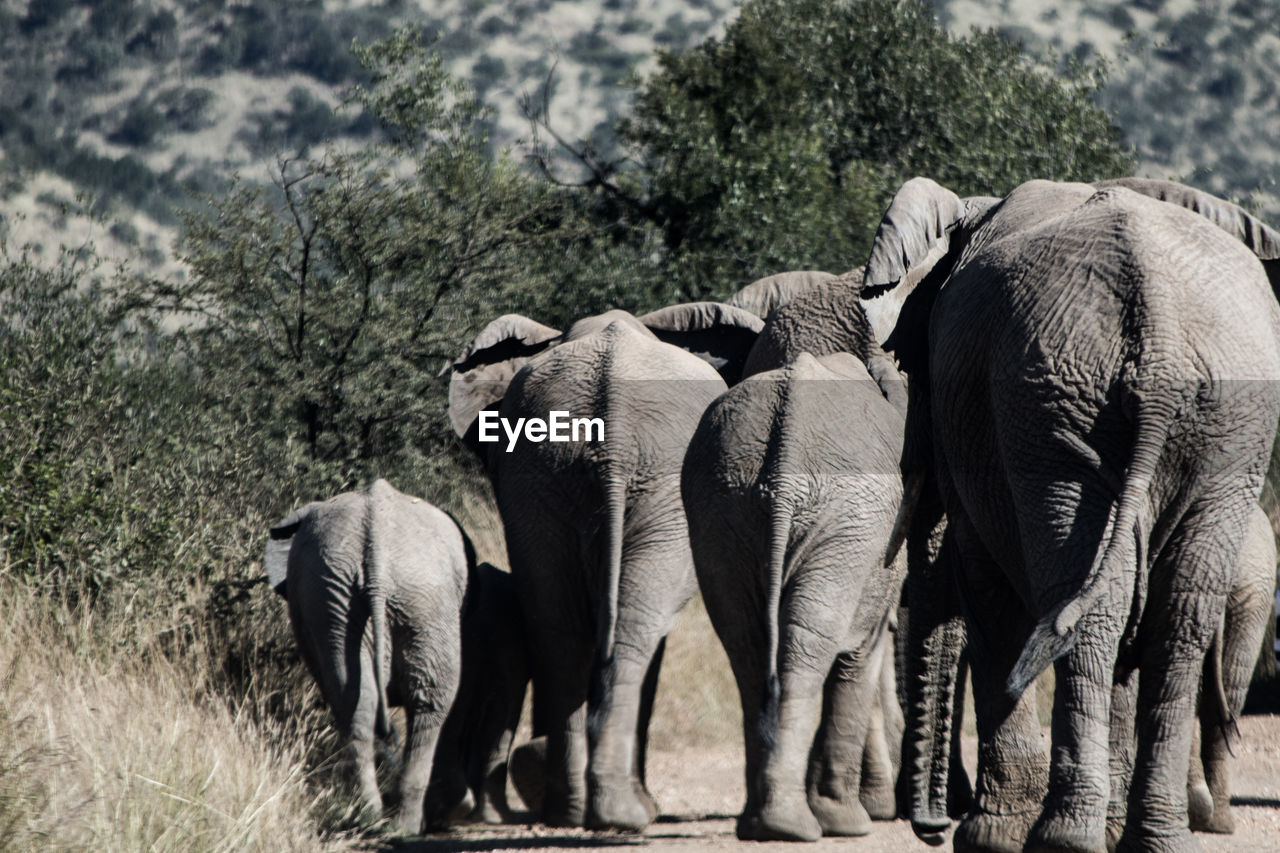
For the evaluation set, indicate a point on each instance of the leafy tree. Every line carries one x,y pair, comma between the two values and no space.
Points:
324,306
777,145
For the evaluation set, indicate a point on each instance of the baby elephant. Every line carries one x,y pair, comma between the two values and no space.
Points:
380,576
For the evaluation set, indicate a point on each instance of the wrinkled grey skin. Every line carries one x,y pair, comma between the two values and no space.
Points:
828,317
377,575
595,531
1093,384
763,295
1248,606
791,487
1228,669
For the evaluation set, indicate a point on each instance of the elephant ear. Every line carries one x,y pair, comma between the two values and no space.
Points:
275,562
764,295
924,225
485,367
917,226
719,334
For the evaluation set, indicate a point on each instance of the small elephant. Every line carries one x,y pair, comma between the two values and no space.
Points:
380,576
595,530
792,490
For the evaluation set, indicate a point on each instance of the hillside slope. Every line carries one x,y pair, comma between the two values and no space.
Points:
139,103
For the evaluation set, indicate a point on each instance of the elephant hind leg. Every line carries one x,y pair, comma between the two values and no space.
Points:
744,647
432,668
616,797
561,682
1248,608
836,779
1188,591
357,723
1012,772
881,755
648,692
1075,812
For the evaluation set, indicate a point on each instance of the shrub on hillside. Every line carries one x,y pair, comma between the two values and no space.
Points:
777,145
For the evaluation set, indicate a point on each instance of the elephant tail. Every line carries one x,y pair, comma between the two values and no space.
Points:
779,536
375,579
1213,680
1055,634
615,499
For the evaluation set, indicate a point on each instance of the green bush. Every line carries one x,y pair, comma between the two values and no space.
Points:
777,145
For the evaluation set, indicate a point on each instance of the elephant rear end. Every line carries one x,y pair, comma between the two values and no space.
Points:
792,489
375,584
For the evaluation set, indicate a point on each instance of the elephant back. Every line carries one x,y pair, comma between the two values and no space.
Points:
827,317
330,547
816,420
648,394
765,295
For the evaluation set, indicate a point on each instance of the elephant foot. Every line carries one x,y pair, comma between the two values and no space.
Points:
748,827
1199,806
1223,821
527,769
1056,834
563,809
993,833
788,820
841,817
1207,814
647,800
407,822
1115,828
1176,839
486,811
618,806
565,817
879,802
462,810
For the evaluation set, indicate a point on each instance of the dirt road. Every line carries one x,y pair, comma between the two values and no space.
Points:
701,790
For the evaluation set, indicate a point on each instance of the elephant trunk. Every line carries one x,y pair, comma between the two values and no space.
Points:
935,645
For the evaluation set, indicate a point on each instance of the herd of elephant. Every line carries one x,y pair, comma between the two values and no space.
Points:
1032,431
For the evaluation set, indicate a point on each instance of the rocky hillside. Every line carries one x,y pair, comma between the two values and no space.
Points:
138,103
1193,82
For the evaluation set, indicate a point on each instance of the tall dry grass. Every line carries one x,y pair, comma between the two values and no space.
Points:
106,746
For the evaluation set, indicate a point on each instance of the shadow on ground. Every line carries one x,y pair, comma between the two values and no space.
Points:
531,836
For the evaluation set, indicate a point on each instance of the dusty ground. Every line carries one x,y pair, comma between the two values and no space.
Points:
701,790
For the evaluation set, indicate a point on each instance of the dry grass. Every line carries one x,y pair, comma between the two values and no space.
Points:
697,703
107,750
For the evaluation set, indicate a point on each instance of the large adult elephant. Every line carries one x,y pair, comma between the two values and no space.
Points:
385,603
1093,381
595,530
